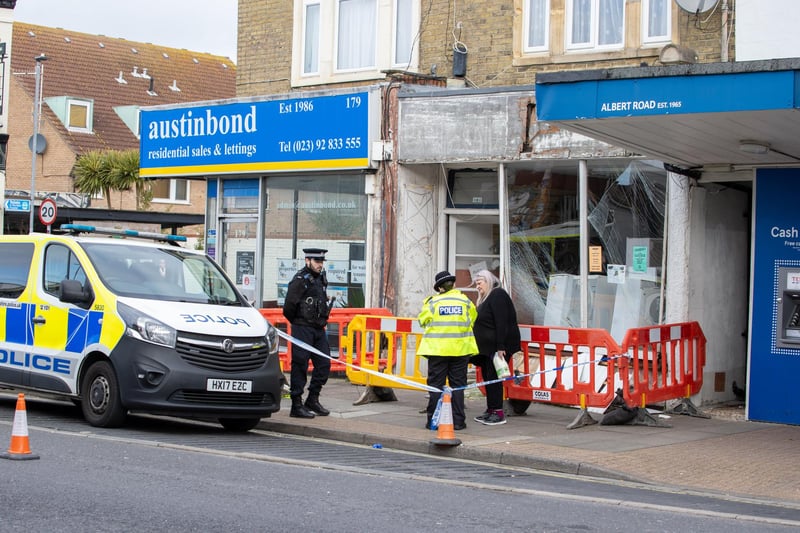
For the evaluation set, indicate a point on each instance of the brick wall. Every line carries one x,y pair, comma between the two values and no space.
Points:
53,167
490,29
264,52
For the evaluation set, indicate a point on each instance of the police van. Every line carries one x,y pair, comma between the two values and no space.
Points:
118,323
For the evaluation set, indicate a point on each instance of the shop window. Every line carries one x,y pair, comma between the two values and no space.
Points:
626,227
474,189
325,211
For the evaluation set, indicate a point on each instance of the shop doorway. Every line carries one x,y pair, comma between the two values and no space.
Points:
238,253
473,245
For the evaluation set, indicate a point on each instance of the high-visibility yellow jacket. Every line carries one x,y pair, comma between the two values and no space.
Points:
447,319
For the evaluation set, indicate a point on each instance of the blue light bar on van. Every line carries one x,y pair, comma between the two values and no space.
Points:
81,228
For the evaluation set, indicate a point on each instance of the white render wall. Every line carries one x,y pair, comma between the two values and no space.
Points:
718,282
417,236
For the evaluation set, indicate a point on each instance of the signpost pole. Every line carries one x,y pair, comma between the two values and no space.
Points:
37,101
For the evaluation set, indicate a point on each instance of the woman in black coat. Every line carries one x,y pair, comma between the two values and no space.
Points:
495,330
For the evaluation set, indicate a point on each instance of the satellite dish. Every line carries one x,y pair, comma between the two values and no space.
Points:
696,6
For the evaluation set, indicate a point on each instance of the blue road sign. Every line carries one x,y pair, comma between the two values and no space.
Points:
17,205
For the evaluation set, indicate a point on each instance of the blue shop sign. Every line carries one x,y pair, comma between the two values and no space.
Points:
309,133
647,97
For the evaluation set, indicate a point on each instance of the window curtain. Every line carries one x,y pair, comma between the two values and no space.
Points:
611,22
657,18
581,22
403,33
537,23
311,40
356,40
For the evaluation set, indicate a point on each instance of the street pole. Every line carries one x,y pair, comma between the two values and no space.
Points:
37,102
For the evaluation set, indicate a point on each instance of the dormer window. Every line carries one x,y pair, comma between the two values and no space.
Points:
79,116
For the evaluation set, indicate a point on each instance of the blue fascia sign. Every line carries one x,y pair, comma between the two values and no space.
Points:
306,133
670,95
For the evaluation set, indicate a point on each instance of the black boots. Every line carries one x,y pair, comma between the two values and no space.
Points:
312,402
299,410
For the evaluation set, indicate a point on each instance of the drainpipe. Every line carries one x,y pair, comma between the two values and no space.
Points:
723,56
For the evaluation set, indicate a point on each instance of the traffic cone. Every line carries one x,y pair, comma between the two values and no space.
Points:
20,448
445,433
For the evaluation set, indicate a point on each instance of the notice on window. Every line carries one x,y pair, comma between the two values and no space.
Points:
358,272
336,271
595,259
616,273
287,269
639,254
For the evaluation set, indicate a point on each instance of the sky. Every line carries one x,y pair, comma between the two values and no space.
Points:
199,25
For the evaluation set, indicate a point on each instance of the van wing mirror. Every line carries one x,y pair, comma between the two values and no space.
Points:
72,292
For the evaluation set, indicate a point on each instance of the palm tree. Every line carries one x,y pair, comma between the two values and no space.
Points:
92,174
125,174
104,171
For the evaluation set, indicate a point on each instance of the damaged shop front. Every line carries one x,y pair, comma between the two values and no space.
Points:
575,228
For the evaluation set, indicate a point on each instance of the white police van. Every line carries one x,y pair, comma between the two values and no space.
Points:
124,324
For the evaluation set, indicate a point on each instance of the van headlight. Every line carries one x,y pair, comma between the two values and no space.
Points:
146,328
272,338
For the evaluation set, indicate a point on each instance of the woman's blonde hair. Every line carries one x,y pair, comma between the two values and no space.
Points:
490,279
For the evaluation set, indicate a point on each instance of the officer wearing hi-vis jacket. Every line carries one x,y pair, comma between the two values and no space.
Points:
307,308
447,343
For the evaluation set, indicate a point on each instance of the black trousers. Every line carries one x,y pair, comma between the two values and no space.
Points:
494,391
318,338
453,370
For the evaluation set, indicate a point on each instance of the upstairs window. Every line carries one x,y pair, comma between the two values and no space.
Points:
356,34
656,21
536,25
311,37
353,40
597,24
403,32
79,116
170,190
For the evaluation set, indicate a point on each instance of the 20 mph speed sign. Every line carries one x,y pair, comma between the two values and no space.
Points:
47,211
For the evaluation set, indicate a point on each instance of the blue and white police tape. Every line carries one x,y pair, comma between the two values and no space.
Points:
421,386
519,377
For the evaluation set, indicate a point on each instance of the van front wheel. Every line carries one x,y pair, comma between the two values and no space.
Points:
100,400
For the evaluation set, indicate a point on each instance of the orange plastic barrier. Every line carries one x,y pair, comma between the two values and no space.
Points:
666,362
567,366
394,339
338,322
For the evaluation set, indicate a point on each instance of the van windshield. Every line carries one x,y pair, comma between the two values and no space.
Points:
161,274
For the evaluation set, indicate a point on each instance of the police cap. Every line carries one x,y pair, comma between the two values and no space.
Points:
441,278
315,253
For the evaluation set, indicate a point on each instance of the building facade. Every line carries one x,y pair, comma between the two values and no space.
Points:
456,171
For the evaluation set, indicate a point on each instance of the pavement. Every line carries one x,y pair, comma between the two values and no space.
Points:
724,454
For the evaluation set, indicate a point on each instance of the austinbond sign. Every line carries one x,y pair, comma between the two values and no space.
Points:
310,133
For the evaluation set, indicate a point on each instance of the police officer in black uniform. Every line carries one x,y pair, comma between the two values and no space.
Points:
307,308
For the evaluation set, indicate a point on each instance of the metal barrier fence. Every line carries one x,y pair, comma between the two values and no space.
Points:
666,363
565,366
568,366
394,340
338,323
